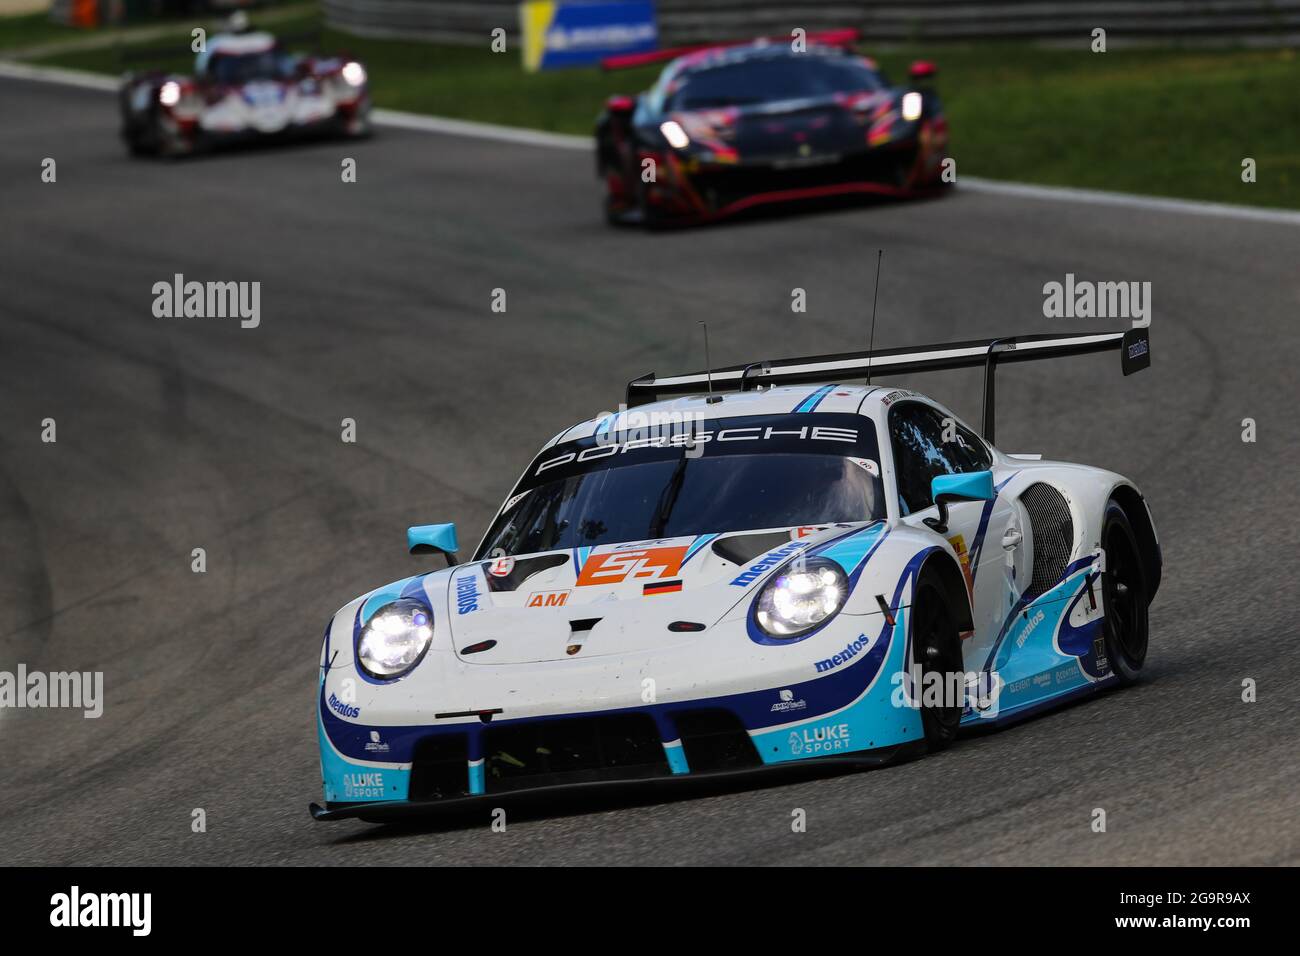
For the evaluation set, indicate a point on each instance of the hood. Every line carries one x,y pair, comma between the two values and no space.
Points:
791,132
612,599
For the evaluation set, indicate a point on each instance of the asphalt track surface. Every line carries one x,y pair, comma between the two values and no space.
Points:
175,434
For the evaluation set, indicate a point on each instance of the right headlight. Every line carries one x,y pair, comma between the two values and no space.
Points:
912,106
395,638
675,135
801,596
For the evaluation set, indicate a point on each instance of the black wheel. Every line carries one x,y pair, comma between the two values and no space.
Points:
614,214
936,648
650,217
1125,588
135,143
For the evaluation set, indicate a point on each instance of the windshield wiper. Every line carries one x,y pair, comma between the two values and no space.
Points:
668,498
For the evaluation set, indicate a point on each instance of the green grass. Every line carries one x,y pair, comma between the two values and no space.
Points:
29,29
1164,122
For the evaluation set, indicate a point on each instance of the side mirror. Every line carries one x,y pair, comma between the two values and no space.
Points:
432,538
970,486
619,105
922,70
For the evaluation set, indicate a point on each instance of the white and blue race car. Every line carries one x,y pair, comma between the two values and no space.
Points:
743,568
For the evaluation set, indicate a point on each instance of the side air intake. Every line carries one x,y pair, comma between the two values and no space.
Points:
1053,530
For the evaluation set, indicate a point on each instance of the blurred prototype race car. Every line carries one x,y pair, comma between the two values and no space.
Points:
712,583
729,128
246,86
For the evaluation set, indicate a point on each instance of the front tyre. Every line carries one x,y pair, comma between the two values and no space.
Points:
1126,593
936,651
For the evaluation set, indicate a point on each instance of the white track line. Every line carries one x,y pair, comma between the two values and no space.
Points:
54,74
530,137
505,134
1097,197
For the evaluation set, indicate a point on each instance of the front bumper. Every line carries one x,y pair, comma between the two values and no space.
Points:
392,811
698,191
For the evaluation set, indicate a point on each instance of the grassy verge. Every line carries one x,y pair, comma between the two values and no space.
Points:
1163,122
30,29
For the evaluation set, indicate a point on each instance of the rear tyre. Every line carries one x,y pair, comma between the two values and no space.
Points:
1126,593
936,650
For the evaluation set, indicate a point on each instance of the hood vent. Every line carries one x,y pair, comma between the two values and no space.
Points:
743,548
524,569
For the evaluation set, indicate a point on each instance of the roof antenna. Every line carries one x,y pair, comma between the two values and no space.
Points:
708,366
880,253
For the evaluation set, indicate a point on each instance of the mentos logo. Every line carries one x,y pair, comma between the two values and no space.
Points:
466,594
1029,628
765,564
851,650
342,709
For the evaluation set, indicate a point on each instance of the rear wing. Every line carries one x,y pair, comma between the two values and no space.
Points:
626,61
1134,346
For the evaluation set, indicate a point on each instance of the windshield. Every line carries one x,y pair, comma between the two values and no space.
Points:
752,474
771,80
232,70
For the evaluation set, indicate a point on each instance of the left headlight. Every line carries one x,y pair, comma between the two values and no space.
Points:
801,596
395,638
912,105
354,73
675,135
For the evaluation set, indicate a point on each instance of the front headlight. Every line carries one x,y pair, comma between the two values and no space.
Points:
801,596
912,104
675,135
169,94
395,638
354,73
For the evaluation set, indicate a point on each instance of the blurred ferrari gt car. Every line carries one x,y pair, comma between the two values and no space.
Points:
245,86
728,128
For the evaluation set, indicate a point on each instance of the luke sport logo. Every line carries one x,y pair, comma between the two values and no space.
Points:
363,784
617,566
851,650
819,740
466,594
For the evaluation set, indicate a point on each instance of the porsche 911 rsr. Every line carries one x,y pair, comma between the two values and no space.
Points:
244,87
727,129
743,570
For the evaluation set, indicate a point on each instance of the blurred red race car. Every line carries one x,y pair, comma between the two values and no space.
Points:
729,128
245,86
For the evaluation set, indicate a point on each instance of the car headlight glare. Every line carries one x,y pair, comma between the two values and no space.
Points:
354,73
803,595
912,106
395,638
675,135
169,94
